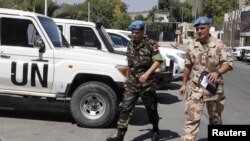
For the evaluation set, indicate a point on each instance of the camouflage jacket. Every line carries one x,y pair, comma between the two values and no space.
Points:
207,57
140,58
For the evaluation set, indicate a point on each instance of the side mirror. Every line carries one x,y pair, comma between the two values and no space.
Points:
40,44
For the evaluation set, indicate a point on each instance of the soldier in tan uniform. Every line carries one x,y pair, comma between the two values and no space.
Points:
208,54
143,59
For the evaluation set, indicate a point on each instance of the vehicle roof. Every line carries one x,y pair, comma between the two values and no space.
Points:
70,21
120,32
243,47
18,12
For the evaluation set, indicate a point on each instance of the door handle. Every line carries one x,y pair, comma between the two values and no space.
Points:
5,56
40,60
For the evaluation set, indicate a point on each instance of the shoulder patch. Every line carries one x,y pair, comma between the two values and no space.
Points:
155,47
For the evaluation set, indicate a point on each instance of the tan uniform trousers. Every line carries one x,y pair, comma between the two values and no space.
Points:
193,112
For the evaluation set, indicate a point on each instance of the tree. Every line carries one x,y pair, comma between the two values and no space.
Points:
164,4
30,5
113,13
215,9
139,17
121,19
178,11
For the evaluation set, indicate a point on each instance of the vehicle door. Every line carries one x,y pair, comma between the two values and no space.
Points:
23,67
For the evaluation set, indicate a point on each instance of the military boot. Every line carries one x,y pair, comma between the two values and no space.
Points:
155,136
119,136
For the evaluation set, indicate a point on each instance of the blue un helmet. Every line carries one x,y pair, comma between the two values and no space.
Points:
202,20
137,25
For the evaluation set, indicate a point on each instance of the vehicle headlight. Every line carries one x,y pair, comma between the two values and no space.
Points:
182,55
123,70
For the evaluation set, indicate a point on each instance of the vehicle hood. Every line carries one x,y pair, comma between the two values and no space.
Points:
90,55
170,50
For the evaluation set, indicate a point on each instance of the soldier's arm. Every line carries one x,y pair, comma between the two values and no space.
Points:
186,74
153,67
226,64
186,71
224,68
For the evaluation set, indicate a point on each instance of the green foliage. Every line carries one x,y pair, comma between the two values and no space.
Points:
139,17
113,13
178,12
30,5
215,9
122,22
164,4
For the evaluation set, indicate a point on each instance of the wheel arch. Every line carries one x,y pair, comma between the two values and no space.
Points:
83,78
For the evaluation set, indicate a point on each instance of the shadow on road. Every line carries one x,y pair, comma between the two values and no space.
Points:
139,117
164,135
166,98
203,139
169,86
36,109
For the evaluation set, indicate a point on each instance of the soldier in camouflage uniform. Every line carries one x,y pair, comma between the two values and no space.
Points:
143,59
209,54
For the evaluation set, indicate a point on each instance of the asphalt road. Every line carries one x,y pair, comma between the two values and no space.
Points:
36,120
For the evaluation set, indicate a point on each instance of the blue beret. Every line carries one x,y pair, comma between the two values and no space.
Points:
202,20
138,24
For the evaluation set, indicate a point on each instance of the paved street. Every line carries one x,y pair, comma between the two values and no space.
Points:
26,120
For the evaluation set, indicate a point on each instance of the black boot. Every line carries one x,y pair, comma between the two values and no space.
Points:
119,136
155,136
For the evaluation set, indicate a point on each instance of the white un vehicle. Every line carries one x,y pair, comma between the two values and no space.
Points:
37,61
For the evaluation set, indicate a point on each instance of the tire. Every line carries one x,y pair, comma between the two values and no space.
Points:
94,104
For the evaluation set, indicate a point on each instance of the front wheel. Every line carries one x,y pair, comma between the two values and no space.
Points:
94,104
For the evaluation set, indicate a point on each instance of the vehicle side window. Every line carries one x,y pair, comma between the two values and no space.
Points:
17,32
83,36
118,40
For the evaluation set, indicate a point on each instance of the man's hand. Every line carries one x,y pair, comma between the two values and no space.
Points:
182,90
143,77
212,76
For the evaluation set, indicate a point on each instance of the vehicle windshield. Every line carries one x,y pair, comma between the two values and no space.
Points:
53,32
103,30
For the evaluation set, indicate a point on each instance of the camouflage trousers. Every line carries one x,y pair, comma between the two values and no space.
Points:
129,101
193,111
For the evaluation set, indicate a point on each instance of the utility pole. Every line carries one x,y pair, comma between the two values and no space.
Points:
233,24
45,7
88,11
182,14
196,7
231,33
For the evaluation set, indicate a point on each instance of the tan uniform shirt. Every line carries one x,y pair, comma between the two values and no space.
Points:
207,57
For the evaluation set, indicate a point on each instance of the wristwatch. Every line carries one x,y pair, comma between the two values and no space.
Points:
219,73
